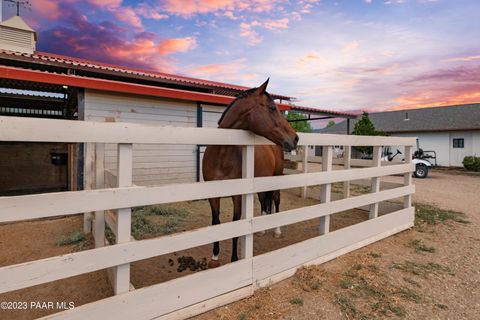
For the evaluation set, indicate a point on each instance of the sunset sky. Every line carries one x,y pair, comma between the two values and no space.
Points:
339,55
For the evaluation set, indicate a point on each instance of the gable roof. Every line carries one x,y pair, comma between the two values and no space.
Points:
449,118
16,22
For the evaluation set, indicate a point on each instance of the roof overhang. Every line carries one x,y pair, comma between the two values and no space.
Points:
114,86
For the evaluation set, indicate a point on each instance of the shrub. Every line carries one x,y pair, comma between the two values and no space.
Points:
471,163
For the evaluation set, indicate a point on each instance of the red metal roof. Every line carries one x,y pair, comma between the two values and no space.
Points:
72,62
114,86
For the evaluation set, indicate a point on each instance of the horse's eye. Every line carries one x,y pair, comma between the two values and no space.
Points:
273,108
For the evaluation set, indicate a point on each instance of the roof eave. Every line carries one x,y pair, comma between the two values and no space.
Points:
114,86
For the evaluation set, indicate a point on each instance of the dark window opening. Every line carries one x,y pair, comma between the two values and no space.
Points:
458,143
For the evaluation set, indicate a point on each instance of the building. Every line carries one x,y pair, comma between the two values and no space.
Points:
452,132
45,85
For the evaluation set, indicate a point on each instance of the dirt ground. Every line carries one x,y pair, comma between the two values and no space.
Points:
33,240
442,294
390,278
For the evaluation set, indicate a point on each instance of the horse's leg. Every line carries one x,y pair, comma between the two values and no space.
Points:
276,200
263,206
237,214
215,206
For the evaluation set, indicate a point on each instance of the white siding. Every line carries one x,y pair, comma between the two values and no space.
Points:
476,143
211,115
457,154
442,144
433,141
152,164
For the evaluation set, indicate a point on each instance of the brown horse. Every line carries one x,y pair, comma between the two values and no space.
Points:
252,110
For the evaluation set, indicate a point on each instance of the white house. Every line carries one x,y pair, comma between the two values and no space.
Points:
452,132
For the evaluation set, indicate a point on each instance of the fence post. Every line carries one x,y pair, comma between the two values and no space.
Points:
247,199
121,278
88,181
99,221
325,189
347,156
305,169
377,162
407,177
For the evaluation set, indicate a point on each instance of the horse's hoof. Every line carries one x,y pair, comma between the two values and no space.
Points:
213,264
261,233
277,235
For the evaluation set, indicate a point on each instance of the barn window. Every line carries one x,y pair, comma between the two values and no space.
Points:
458,143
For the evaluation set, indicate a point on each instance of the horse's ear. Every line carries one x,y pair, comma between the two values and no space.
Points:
261,90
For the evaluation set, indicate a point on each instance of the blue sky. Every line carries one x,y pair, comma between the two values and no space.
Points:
340,55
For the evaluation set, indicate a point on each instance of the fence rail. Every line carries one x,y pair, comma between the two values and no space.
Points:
197,292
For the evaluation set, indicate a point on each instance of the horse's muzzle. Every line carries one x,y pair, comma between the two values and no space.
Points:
290,145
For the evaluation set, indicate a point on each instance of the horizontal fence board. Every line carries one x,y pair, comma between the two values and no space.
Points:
277,261
71,202
211,304
164,298
314,178
324,209
352,140
63,203
50,269
45,130
336,161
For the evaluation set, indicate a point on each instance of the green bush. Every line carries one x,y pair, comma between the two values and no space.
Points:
471,163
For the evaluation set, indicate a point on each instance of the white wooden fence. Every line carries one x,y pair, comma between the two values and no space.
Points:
192,294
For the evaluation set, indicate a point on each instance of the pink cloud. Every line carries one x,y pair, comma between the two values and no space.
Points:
246,30
170,46
191,7
463,59
309,59
454,75
232,70
111,43
46,8
106,3
149,12
351,46
433,99
276,24
440,88
129,16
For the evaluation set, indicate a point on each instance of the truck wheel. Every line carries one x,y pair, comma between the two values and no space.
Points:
421,171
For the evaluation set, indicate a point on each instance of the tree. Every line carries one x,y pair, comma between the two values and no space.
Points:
330,123
365,127
299,126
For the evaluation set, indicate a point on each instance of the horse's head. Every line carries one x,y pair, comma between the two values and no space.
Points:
255,110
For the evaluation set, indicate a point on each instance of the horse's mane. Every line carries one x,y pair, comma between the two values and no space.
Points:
242,94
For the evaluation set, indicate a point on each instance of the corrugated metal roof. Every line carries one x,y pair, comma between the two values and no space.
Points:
449,118
43,58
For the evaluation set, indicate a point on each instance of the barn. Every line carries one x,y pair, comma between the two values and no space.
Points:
451,132
45,85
